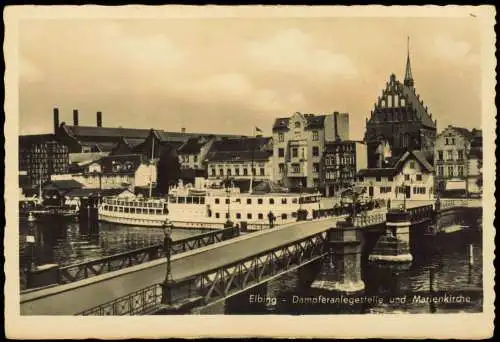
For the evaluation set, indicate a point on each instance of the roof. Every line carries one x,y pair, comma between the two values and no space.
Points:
242,144
192,146
220,156
30,139
121,164
419,155
85,158
331,145
86,192
117,132
417,105
313,121
396,166
63,184
377,172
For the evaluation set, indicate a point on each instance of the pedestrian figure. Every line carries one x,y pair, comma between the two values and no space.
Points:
271,219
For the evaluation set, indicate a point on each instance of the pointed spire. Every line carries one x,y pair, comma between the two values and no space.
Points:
408,75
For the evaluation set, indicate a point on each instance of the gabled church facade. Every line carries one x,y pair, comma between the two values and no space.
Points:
399,122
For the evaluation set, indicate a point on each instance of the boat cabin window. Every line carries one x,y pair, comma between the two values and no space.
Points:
271,201
173,199
126,209
121,209
294,201
196,200
132,210
217,201
189,200
181,200
249,201
249,216
158,212
202,200
261,216
259,201
151,211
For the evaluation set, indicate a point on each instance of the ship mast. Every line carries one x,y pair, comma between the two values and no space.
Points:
151,163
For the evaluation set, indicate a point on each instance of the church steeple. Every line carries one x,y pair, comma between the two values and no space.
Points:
408,76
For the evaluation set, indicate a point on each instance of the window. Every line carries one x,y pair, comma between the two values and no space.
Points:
245,172
217,215
237,171
229,172
378,179
446,141
315,135
262,171
221,172
213,172
296,168
390,178
260,216
450,155
315,167
450,171
189,200
460,154
440,155
283,201
281,137
238,215
271,201
295,152
460,171
227,201
453,141
407,177
281,168
419,177
385,189
281,152
315,151
253,171
249,201
361,178
412,165
259,201
283,216
217,201
249,216
297,124
195,159
227,215
440,171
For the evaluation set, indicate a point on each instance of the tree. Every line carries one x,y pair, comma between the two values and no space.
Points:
168,170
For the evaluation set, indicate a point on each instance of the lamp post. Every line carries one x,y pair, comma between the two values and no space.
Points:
167,245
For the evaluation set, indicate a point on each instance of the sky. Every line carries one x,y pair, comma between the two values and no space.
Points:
227,75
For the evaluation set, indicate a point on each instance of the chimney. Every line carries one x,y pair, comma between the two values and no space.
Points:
335,123
56,119
99,119
183,130
75,117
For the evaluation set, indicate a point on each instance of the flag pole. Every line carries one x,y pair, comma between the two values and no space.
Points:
252,167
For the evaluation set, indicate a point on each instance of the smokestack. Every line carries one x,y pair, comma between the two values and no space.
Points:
335,123
75,117
99,119
183,130
56,119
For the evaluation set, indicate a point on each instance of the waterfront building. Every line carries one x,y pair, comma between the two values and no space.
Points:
298,145
399,122
411,176
192,155
458,160
41,156
54,191
340,164
241,160
115,172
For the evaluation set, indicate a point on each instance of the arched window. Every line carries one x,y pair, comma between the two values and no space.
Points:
297,124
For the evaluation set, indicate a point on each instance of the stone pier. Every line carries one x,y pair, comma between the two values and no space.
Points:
394,245
341,267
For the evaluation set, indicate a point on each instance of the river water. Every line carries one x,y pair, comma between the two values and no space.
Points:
445,271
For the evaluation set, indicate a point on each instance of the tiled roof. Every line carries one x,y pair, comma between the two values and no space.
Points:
219,156
419,155
422,114
192,146
377,172
395,165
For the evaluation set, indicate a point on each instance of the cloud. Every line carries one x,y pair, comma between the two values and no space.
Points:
294,52
454,50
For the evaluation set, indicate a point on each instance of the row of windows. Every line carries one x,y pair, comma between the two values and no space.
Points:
295,152
134,204
385,189
449,141
185,158
229,172
344,160
449,155
418,177
341,175
315,134
120,209
249,216
187,200
451,171
284,200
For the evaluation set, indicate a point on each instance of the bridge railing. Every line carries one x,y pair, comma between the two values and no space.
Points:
371,219
141,302
91,268
446,203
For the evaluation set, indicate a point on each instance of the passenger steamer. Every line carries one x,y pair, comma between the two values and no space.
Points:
206,207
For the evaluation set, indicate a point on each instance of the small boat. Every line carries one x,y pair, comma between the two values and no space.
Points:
454,228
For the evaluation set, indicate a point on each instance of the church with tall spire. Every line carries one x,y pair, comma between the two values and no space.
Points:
399,122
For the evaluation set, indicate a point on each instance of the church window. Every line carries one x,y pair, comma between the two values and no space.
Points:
389,101
396,100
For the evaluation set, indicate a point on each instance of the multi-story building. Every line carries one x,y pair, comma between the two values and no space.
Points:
41,156
457,159
298,145
399,122
340,164
412,176
238,159
193,152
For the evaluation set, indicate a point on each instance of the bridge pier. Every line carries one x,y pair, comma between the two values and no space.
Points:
341,268
394,245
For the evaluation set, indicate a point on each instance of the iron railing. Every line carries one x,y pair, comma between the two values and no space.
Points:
91,268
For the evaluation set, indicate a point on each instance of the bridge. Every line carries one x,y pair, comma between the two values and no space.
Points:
203,275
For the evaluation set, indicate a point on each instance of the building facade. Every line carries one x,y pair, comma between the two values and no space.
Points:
298,145
458,160
399,122
41,156
411,177
192,153
340,164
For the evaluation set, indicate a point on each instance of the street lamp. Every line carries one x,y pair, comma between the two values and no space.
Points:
167,245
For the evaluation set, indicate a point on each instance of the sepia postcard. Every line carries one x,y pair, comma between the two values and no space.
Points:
249,171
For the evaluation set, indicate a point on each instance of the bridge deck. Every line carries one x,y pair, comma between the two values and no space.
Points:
73,298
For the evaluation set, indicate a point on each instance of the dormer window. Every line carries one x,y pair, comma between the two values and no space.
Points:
297,124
